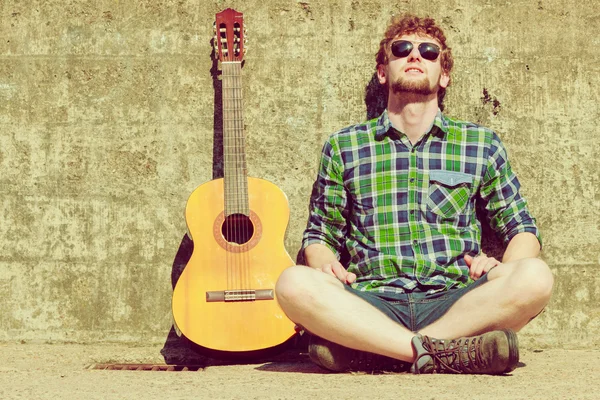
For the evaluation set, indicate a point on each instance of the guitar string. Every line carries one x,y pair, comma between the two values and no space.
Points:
232,225
235,210
244,181
242,176
250,226
237,221
240,227
237,226
239,165
227,180
230,176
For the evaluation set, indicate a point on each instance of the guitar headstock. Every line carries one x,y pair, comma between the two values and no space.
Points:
229,36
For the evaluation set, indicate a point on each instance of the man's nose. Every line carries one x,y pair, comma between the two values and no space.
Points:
415,54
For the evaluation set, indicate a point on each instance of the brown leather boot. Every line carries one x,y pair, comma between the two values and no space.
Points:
492,353
337,358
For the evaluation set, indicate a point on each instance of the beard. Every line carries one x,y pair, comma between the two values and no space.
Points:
422,87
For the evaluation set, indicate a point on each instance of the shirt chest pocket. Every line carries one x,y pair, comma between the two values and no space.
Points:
448,193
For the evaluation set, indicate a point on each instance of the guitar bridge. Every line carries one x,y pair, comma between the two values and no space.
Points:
240,295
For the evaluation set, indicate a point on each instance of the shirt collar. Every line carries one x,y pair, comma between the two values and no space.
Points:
384,126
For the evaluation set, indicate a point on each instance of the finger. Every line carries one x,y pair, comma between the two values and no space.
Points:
342,273
328,269
473,268
487,264
351,277
339,271
478,266
477,273
468,260
491,263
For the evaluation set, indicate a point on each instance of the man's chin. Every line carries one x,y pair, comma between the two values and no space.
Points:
412,88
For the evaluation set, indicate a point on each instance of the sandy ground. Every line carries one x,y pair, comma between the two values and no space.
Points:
62,371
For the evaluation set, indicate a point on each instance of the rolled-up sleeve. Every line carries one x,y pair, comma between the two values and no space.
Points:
506,208
328,203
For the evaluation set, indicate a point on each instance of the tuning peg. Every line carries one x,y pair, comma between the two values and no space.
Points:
215,28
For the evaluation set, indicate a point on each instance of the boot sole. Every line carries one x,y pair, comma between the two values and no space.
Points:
513,350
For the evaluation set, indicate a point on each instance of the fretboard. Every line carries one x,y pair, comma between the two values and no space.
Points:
235,172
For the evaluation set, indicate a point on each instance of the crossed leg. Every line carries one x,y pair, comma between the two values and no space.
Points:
515,293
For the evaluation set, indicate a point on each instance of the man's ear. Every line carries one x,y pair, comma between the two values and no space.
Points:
444,80
381,74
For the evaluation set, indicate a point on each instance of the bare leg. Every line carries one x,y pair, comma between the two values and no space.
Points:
515,293
320,304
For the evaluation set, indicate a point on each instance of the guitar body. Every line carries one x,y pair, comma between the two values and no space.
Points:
235,256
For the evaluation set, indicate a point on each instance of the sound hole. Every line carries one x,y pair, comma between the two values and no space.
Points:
237,228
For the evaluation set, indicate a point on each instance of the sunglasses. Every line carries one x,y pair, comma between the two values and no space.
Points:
402,48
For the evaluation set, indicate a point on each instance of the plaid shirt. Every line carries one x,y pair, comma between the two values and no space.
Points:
404,214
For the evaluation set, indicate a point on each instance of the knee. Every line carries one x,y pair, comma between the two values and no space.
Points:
535,280
293,285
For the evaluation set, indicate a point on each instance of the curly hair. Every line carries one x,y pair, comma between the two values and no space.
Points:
411,24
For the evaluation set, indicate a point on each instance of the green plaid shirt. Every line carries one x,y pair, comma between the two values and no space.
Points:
405,215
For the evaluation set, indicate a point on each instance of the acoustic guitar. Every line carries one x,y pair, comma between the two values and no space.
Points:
225,299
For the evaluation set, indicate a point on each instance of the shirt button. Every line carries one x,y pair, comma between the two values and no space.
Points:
412,180
412,212
415,242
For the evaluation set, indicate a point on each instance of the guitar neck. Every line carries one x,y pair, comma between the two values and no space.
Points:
235,172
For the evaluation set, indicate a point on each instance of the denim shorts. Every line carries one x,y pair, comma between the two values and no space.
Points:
416,310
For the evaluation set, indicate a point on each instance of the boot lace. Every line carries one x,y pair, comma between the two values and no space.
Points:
457,356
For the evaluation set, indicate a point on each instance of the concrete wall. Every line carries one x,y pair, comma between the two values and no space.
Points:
107,116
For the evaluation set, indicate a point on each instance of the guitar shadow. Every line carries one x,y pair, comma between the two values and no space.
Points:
217,164
177,350
302,365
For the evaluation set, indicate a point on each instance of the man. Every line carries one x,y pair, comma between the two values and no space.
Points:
397,194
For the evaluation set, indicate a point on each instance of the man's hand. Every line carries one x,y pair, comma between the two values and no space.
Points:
480,265
337,270
321,258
